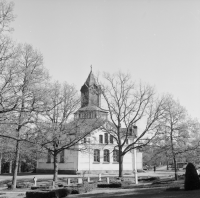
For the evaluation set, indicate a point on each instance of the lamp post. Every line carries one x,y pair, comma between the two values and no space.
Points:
135,165
134,130
89,157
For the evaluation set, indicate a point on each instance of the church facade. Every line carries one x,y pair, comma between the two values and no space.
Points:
101,155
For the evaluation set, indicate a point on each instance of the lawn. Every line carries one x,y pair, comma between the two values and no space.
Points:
140,193
127,193
143,190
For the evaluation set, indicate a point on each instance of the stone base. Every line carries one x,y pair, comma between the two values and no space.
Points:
80,172
69,172
104,172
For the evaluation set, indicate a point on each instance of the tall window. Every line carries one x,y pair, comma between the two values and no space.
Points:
126,141
111,139
49,157
130,131
62,156
101,139
115,156
106,156
96,155
106,138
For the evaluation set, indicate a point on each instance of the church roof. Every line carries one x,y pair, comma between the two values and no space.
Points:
92,108
86,125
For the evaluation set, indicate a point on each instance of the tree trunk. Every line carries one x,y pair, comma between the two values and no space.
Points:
120,164
55,175
174,155
175,168
167,164
0,161
19,167
16,163
10,167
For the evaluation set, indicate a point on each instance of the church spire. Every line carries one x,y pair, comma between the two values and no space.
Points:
90,79
90,92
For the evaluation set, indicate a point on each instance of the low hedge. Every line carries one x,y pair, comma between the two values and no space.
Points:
40,187
41,194
111,185
75,191
86,187
21,185
57,193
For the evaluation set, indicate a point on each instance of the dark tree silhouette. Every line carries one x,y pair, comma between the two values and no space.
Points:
191,178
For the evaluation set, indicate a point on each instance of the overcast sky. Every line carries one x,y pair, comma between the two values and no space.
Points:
156,41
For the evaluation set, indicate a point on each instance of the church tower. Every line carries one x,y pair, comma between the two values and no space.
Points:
90,100
90,92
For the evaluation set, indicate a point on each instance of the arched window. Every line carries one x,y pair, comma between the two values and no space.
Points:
96,155
115,156
62,156
130,131
111,139
106,156
101,139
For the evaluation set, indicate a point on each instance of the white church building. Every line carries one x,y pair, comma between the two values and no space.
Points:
101,155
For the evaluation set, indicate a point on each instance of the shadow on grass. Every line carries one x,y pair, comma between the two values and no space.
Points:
143,193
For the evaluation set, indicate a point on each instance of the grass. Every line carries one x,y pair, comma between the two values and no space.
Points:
141,193
128,189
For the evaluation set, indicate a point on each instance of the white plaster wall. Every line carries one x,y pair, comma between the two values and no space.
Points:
71,162
86,159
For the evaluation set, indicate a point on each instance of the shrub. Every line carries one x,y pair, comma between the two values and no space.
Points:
40,187
41,194
63,192
21,184
191,178
103,185
111,185
115,185
75,191
57,193
86,187
4,182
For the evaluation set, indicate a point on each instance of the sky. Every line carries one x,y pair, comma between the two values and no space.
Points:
156,41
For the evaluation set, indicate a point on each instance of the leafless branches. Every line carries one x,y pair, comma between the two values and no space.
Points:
128,104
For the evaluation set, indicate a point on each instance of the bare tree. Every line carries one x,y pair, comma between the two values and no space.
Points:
129,104
8,53
177,132
29,88
6,150
56,129
6,16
